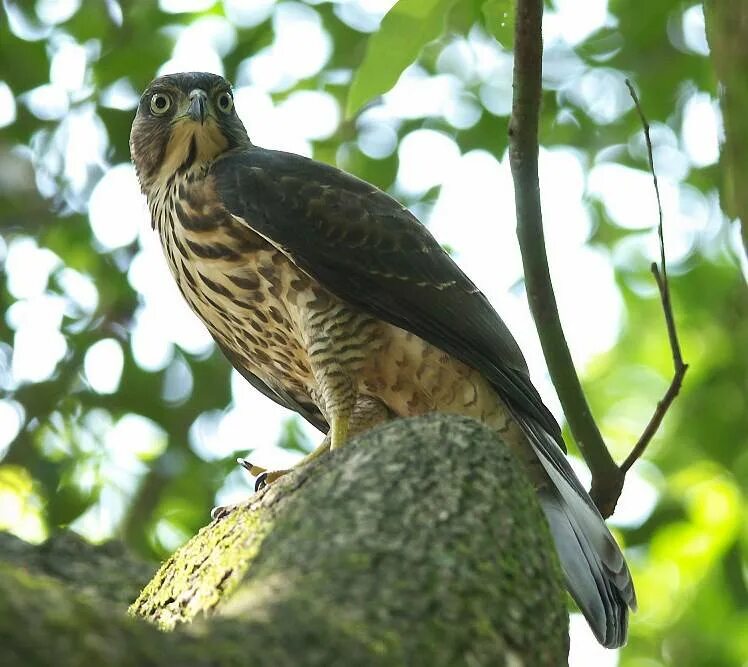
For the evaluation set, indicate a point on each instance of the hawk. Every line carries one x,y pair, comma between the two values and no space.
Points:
333,300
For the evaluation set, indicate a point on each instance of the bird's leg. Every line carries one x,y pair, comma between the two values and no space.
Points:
323,447
368,412
339,430
338,393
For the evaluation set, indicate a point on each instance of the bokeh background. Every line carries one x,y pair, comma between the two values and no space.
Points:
120,419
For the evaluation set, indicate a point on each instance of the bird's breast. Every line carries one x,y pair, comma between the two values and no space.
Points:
251,297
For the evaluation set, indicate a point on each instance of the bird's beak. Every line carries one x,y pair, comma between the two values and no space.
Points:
198,109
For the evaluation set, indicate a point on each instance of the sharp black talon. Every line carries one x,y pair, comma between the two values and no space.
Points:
219,512
261,481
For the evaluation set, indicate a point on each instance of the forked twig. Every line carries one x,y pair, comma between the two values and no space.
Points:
679,367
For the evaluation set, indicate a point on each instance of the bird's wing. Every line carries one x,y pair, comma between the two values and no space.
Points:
309,411
371,252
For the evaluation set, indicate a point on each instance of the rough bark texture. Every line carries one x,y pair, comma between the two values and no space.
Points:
727,31
420,543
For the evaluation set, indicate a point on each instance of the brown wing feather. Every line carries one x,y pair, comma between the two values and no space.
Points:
370,251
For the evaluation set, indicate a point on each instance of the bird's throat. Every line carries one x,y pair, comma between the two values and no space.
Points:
192,146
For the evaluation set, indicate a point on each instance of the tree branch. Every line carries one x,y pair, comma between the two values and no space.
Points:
607,477
386,552
679,368
523,156
381,553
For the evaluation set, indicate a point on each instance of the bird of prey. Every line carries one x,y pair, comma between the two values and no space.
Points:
333,300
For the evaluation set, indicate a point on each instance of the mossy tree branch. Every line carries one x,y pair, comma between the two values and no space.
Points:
419,543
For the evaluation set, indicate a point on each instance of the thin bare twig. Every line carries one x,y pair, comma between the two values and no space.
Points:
679,367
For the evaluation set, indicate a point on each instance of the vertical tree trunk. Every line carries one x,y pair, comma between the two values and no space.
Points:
727,31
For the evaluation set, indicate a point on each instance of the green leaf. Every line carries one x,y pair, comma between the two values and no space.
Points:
498,20
464,15
405,30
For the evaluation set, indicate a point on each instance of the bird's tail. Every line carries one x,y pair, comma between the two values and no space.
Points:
596,572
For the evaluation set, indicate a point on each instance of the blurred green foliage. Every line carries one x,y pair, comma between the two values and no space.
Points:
690,557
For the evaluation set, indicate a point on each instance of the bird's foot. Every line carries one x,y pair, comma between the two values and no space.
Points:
263,477
221,511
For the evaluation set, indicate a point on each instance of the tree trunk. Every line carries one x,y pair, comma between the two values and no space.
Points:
727,31
419,543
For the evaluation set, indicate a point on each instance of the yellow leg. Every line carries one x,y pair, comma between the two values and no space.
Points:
339,431
367,413
323,447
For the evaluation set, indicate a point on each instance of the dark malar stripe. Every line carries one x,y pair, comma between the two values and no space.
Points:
191,156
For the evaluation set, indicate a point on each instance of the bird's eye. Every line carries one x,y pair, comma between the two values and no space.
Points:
225,102
160,104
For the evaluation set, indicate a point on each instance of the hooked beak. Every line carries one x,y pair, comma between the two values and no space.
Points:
198,109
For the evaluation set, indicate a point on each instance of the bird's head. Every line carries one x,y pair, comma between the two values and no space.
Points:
184,121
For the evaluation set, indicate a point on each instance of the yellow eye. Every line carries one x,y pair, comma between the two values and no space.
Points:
225,102
160,103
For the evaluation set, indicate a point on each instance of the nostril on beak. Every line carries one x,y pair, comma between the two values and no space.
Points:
198,109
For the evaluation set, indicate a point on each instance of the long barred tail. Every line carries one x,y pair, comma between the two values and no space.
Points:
596,572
